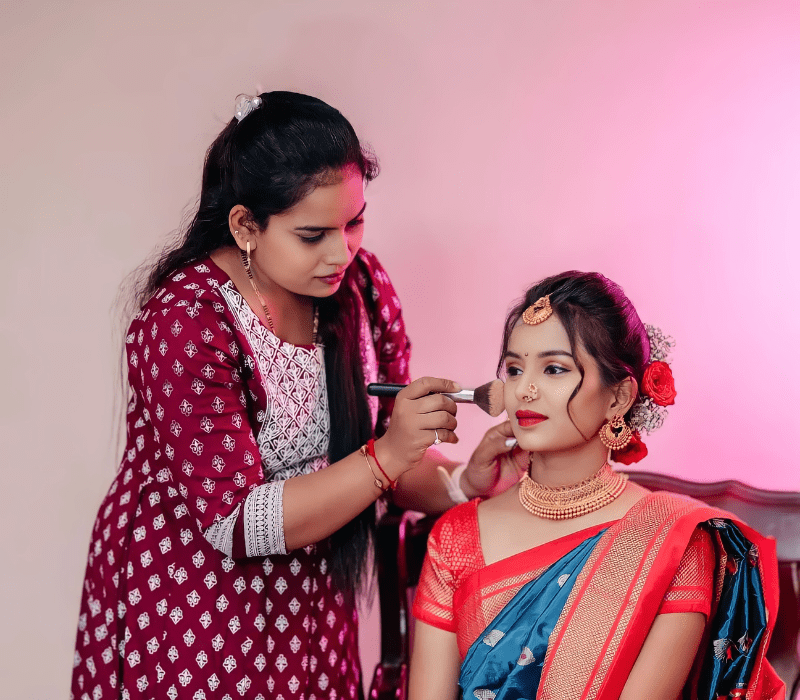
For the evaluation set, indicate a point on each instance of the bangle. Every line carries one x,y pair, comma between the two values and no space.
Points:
376,480
452,482
370,447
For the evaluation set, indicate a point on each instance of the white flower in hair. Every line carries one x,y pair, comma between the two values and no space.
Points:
660,345
646,415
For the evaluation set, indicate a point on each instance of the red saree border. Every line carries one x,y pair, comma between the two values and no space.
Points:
617,596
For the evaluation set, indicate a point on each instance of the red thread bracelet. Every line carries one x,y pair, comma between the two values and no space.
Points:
371,453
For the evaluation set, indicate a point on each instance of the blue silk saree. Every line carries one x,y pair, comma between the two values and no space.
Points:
570,623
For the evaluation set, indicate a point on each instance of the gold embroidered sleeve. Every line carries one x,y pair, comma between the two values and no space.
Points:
453,554
692,588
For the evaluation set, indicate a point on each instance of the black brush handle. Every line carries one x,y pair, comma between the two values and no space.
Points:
384,389
463,396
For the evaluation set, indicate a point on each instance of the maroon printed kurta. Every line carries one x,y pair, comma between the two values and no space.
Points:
221,413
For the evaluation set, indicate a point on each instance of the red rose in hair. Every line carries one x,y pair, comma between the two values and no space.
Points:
659,384
634,451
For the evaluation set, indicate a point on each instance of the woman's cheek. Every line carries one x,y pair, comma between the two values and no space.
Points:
508,397
562,391
354,243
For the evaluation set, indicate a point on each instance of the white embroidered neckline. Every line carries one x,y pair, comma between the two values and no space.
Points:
294,434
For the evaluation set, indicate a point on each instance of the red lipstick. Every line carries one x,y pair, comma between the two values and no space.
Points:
333,279
529,418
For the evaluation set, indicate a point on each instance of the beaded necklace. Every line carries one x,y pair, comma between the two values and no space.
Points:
573,500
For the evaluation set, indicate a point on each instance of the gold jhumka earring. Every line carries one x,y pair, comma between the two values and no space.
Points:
616,433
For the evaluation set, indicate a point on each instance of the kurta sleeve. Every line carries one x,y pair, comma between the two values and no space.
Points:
692,588
392,344
183,365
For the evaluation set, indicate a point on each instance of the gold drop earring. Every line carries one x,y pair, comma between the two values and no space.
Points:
247,266
616,433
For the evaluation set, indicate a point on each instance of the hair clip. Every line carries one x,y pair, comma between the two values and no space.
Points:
538,312
245,104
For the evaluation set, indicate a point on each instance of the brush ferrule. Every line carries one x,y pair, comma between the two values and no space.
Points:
463,396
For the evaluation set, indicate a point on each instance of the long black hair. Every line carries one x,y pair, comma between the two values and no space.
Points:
267,162
596,315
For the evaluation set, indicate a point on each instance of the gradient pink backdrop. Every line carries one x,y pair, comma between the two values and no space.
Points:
656,142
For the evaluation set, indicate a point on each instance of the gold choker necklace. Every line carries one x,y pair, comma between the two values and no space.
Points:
573,500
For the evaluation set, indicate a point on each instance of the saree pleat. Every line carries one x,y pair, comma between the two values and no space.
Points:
505,663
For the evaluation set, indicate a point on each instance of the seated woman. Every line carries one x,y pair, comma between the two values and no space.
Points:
578,583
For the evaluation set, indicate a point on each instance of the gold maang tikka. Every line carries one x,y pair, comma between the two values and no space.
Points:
538,312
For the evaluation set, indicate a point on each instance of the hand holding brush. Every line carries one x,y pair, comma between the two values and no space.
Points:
488,397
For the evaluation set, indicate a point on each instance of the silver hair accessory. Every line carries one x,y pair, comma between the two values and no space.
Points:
245,104
646,415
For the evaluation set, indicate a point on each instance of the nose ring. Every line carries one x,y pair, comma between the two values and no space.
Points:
534,393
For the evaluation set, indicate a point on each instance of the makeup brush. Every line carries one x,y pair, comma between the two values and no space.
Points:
488,397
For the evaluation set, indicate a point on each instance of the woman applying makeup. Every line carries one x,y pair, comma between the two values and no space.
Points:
227,554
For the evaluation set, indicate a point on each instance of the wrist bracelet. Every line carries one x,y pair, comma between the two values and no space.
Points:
376,480
370,447
452,482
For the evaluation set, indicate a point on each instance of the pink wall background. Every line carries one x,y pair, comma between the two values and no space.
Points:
656,142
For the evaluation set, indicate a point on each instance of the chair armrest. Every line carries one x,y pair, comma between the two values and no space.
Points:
400,545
